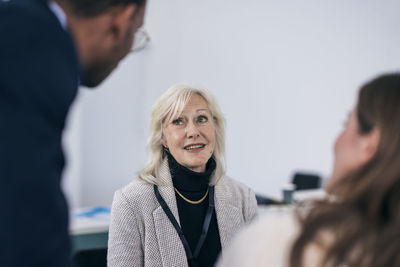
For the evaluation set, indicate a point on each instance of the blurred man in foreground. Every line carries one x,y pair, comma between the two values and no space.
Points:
47,49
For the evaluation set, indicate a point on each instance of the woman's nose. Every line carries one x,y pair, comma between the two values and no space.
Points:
192,131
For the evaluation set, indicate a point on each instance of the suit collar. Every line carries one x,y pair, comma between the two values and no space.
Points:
59,13
229,217
167,237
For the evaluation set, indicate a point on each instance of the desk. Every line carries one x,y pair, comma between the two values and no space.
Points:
89,228
283,210
309,194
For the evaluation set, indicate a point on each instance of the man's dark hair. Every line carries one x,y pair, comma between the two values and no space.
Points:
90,8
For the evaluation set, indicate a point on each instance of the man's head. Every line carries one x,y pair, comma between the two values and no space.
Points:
103,31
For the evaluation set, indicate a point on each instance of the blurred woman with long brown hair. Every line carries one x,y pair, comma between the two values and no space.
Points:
358,224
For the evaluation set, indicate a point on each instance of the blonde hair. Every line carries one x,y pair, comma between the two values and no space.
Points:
170,105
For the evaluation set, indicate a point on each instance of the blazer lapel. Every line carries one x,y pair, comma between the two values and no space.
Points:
170,245
229,217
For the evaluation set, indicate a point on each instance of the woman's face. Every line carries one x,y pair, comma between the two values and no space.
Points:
190,137
352,149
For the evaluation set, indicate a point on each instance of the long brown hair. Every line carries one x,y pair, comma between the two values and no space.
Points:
362,226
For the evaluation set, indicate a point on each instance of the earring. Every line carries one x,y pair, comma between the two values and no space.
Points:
165,151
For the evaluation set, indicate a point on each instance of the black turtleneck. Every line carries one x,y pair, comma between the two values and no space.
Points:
193,186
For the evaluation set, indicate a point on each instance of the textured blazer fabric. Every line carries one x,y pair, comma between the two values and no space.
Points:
142,235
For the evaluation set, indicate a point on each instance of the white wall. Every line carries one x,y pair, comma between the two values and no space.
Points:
285,73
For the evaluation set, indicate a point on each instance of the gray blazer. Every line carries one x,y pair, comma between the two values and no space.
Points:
142,235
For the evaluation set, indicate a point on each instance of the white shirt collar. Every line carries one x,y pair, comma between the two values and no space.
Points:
60,14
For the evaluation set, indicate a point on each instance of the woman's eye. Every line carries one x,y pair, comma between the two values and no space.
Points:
202,119
177,122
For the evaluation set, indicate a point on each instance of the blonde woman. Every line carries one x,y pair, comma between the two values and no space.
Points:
183,209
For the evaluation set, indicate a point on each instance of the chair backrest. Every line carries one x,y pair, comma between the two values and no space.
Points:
91,258
264,200
305,181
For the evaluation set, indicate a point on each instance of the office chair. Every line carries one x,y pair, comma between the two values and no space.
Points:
91,258
264,200
306,181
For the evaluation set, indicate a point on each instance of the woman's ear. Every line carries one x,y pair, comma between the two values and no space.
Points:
371,144
164,142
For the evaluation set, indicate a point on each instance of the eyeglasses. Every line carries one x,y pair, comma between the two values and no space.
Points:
141,40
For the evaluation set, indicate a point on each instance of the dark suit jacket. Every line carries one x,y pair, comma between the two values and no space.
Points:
39,73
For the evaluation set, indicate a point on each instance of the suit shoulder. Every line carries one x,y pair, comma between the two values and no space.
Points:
237,192
135,193
136,188
27,13
234,184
